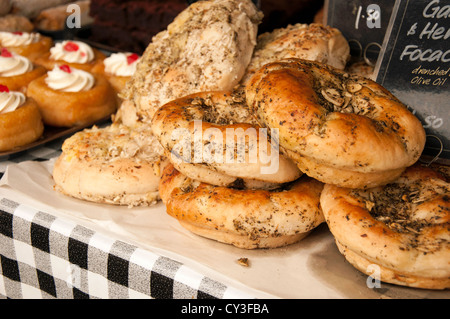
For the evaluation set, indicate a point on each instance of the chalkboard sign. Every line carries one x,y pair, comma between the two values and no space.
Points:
414,65
362,22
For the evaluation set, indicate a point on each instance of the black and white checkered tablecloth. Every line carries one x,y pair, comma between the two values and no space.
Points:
43,256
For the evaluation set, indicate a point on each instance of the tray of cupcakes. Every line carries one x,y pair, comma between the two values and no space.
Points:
53,88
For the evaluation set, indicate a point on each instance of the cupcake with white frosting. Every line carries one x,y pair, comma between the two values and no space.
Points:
20,120
17,71
67,79
75,54
68,97
28,44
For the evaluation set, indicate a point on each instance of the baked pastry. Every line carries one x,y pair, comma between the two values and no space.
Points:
14,23
339,128
114,165
211,137
75,54
70,97
360,68
20,120
55,18
207,47
314,42
16,71
244,218
28,44
118,68
5,7
31,8
227,12
401,228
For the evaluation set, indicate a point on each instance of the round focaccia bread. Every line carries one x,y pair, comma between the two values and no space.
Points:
115,164
403,228
339,128
207,47
244,218
314,42
212,137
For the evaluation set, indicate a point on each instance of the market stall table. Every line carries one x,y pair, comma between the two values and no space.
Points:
53,246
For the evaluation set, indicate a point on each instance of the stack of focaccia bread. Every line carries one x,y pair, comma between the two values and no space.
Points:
254,141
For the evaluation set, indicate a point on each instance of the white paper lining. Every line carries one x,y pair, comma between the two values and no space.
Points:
312,268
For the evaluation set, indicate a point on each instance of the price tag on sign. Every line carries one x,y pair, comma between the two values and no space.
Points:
414,65
362,22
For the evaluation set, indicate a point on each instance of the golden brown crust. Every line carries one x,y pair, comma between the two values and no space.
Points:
389,275
360,68
20,82
111,165
14,22
335,120
314,42
123,182
242,217
65,109
117,82
402,227
222,119
345,177
34,50
20,127
206,47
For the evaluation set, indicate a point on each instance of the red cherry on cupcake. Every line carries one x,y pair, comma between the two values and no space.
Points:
3,88
71,47
65,68
5,53
132,58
